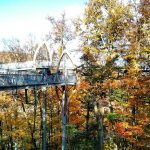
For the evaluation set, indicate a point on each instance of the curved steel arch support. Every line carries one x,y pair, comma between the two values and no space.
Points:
38,48
63,55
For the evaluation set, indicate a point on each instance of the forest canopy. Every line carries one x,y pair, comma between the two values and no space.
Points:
109,108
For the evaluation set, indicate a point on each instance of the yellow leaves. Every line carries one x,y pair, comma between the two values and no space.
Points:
114,74
125,125
132,71
75,106
132,101
20,133
5,101
118,18
1,115
60,50
28,146
109,58
133,66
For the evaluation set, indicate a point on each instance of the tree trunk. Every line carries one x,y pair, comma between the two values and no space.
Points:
99,118
101,133
87,121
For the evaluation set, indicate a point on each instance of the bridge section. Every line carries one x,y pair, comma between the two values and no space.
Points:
38,72
21,81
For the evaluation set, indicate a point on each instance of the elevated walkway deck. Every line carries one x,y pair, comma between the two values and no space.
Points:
19,81
38,72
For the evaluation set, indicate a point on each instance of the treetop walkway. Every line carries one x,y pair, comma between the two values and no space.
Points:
34,73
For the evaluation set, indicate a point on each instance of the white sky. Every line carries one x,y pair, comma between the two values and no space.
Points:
19,18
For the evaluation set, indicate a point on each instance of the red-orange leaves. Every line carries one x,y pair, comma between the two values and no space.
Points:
83,85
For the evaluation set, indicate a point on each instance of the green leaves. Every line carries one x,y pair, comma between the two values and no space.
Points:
113,116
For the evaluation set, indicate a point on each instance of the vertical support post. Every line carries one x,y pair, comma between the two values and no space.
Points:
35,104
26,95
44,141
64,118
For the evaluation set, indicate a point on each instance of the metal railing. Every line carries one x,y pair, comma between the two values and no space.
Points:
14,80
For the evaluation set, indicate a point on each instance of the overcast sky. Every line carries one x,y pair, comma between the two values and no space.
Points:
18,18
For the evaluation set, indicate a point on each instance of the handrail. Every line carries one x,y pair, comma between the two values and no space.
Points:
16,80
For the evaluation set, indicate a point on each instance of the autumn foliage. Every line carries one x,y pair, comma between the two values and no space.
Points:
109,108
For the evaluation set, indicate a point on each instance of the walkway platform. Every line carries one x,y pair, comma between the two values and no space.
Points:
19,81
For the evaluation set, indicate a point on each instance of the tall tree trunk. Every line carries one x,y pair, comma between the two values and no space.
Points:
32,129
99,118
50,129
101,133
1,136
87,121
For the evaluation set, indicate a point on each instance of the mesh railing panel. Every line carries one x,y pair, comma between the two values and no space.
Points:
7,80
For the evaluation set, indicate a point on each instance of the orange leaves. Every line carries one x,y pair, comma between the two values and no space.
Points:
115,84
120,128
76,111
127,86
123,125
129,83
143,119
128,131
84,85
137,130
76,119
75,106
112,84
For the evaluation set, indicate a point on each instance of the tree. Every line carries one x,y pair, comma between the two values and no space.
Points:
30,45
61,32
113,34
18,53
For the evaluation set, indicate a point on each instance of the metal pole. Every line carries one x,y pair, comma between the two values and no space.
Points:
64,119
44,120
26,95
35,105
